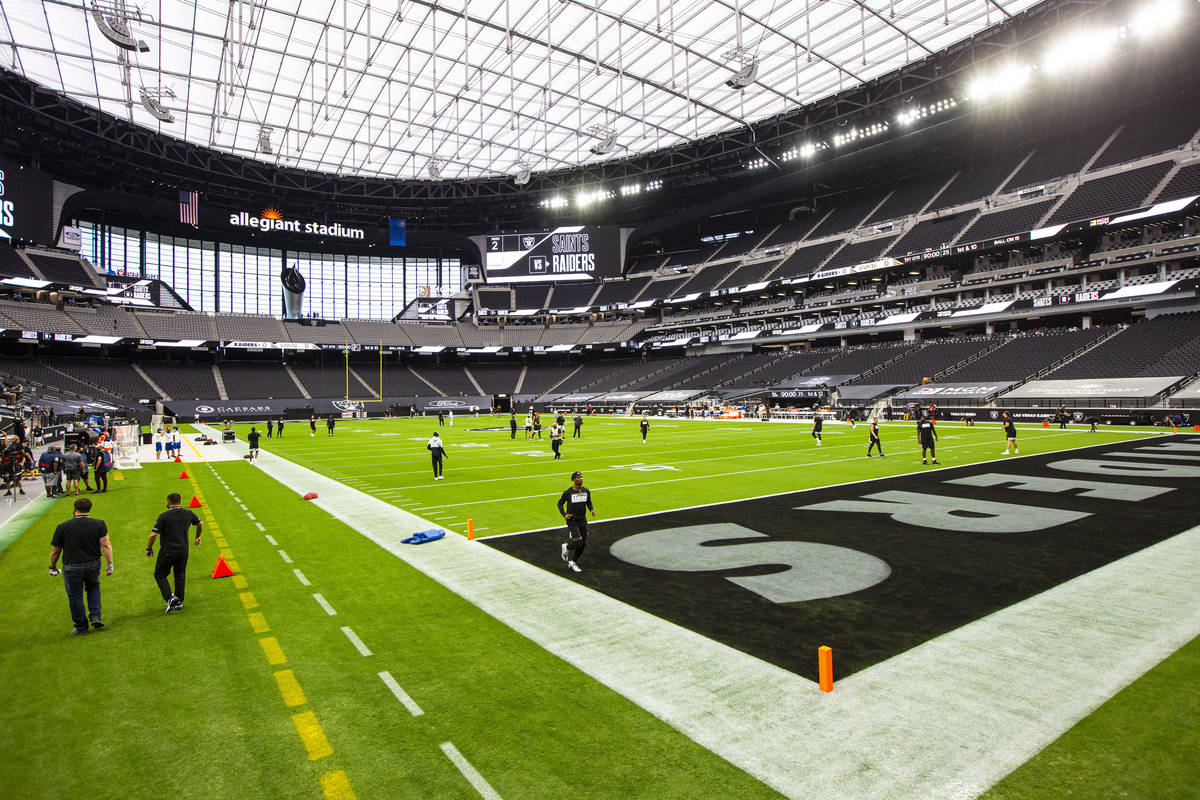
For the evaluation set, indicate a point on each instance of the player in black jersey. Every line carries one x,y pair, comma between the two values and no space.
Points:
816,428
1010,436
873,441
252,437
927,436
573,505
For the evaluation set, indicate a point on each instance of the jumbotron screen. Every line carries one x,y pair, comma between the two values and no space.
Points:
571,253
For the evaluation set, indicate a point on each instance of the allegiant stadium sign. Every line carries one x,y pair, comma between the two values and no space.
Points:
273,222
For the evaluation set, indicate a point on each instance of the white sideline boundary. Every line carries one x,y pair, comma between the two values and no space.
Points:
946,719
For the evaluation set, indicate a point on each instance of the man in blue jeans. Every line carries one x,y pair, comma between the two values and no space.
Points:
80,541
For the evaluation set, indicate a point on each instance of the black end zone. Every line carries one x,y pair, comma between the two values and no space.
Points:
890,580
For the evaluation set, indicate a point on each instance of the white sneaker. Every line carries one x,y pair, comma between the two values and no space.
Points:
1003,452
564,552
573,566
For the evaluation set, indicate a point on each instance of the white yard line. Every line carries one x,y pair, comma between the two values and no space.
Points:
300,577
400,694
271,539
470,773
286,558
259,526
323,603
357,642
945,719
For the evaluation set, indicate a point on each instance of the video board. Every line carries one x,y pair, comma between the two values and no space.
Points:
570,253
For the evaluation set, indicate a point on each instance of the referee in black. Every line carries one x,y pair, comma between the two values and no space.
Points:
172,525
927,436
573,505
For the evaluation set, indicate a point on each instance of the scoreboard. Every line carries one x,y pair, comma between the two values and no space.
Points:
570,253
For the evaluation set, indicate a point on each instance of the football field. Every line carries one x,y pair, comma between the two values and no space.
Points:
337,663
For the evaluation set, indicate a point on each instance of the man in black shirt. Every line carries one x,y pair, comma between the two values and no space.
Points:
252,437
329,423
1010,436
816,428
556,438
573,505
873,441
927,436
270,427
312,425
172,525
537,425
512,423
279,428
578,427
80,541
645,426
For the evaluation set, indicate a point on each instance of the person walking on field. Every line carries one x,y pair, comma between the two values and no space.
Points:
816,428
873,441
312,425
512,423
573,505
279,427
556,440
578,434
645,426
80,541
252,437
1010,436
329,423
438,451
270,427
172,526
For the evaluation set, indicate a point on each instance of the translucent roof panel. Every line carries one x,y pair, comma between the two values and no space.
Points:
414,89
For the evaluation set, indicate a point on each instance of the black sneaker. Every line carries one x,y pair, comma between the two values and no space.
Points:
97,623
173,604
937,462
79,631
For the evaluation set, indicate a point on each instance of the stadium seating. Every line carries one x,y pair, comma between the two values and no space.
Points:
928,361
541,378
806,259
1008,220
117,378
61,268
12,265
1164,128
859,252
182,380
1057,157
38,317
106,320
1119,192
496,378
1184,183
1023,356
177,325
256,379
1162,346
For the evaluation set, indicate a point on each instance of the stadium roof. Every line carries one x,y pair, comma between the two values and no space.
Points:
414,89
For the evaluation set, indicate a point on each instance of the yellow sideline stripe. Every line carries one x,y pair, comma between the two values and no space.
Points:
273,651
289,687
312,735
247,598
239,581
337,786
199,455
258,623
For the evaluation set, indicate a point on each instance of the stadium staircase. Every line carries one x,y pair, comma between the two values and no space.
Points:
365,385
474,382
216,371
157,389
1060,362
422,379
291,374
565,378
521,379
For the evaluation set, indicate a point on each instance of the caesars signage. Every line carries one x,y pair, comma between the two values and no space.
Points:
271,221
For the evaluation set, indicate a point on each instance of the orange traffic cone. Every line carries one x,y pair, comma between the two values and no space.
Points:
184,474
222,570
195,502
178,460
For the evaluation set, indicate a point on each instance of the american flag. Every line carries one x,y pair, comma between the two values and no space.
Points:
189,208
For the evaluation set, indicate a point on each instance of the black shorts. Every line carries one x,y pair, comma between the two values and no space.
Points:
577,528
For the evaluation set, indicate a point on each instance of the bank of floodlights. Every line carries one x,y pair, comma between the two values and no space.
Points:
858,132
556,201
806,150
917,113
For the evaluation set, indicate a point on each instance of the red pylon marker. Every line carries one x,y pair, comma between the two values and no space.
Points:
222,570
195,502
825,668
178,460
184,474
471,529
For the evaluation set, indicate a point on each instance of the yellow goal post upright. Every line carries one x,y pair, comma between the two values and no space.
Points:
348,348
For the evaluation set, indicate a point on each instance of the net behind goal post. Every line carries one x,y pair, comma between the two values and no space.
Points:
126,441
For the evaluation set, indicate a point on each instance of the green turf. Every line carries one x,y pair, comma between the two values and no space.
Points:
507,486
186,705
1141,744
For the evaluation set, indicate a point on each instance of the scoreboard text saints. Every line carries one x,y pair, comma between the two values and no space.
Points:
574,253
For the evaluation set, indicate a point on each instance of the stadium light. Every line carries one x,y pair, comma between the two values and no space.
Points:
1155,18
1006,81
912,115
557,201
587,197
756,164
151,101
264,141
855,133
112,20
1079,50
